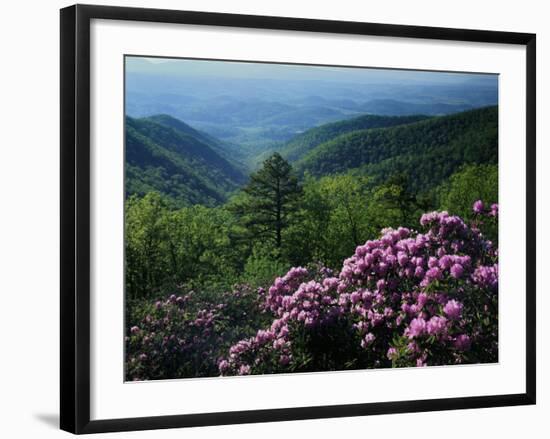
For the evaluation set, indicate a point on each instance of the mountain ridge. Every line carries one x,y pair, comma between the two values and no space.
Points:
303,143
448,141
172,158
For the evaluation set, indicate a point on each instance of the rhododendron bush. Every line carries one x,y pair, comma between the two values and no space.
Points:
185,335
410,298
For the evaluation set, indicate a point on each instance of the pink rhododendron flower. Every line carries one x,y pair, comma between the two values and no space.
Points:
453,309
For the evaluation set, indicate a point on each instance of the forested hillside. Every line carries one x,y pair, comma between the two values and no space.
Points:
188,166
305,142
226,150
165,155
427,151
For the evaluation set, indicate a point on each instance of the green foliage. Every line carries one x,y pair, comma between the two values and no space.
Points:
400,205
462,189
263,265
144,240
469,184
338,213
212,248
200,245
165,247
346,202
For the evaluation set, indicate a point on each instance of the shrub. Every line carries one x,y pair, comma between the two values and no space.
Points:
406,299
186,335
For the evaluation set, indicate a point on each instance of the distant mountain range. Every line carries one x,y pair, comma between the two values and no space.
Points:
393,107
243,105
190,166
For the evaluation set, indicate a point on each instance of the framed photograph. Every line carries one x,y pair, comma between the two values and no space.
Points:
268,219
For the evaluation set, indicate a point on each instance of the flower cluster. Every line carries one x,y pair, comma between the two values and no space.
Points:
296,300
185,335
170,337
405,299
479,208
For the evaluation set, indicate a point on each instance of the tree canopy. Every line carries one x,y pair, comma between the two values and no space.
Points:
269,200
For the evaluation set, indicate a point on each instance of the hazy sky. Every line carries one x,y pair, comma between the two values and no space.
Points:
243,70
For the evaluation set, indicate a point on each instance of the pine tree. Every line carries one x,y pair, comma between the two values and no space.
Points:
270,199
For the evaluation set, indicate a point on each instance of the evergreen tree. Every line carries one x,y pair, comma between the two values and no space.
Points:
269,201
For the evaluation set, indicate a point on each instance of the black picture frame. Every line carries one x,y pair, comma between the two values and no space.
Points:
75,217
